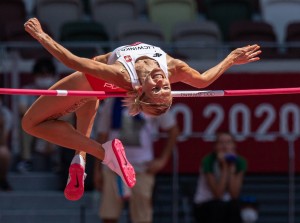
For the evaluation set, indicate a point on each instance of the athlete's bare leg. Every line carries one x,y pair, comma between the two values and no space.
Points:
41,120
85,117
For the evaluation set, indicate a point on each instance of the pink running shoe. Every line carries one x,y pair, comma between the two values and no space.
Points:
75,185
116,160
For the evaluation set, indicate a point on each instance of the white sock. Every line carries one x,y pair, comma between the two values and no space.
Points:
108,150
79,160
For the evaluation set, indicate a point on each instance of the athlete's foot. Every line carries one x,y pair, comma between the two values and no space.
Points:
116,160
75,185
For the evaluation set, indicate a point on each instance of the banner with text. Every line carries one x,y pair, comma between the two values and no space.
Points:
263,125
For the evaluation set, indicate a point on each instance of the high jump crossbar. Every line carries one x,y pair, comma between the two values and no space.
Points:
179,94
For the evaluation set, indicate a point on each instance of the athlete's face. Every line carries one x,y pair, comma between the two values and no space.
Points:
156,85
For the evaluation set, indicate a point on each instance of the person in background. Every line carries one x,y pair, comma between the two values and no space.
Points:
136,133
220,182
44,76
5,155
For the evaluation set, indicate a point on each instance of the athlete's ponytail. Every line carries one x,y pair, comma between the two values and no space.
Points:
132,103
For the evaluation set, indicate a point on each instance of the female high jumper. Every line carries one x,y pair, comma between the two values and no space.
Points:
145,72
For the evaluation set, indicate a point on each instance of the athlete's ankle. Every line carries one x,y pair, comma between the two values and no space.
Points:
78,159
107,154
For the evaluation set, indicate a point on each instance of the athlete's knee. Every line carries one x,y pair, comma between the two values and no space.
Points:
27,124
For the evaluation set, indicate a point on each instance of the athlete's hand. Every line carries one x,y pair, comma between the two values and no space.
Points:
245,54
33,27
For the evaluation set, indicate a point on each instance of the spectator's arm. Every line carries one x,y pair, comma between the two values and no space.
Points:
235,184
169,144
157,164
217,187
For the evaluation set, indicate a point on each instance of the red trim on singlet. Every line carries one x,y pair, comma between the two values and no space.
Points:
100,85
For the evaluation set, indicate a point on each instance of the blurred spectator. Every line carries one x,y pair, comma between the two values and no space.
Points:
44,75
136,133
5,156
220,182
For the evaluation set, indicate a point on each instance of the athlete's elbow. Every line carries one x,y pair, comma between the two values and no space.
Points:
203,84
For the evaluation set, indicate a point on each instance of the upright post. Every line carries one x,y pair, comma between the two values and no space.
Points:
291,214
175,186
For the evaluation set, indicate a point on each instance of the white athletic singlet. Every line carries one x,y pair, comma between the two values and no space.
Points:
128,54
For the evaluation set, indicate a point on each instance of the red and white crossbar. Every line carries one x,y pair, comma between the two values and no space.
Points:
103,94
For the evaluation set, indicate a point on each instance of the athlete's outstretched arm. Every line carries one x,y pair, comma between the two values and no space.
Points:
101,70
184,73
